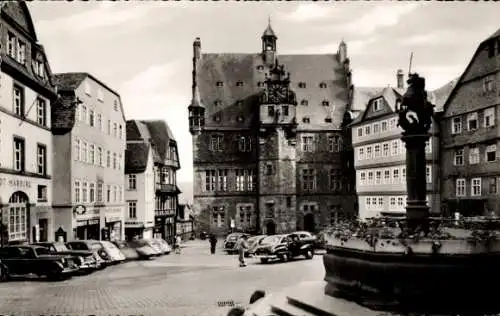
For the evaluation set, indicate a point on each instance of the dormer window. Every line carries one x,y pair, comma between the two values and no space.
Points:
217,118
325,103
306,120
220,84
488,83
217,102
302,84
322,85
239,83
304,102
38,68
260,67
377,105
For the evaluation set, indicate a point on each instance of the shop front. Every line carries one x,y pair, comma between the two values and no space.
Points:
113,224
86,223
138,229
23,207
164,228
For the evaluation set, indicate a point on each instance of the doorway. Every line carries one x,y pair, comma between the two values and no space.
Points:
271,228
43,225
309,224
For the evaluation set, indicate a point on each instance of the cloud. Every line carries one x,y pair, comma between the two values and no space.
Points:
104,15
353,47
381,16
153,79
307,12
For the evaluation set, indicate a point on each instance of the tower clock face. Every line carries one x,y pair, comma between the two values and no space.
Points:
269,47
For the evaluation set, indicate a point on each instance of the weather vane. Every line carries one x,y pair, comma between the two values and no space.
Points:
411,59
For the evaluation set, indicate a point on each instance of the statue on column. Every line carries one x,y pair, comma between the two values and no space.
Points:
415,111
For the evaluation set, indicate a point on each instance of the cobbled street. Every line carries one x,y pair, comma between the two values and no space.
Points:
192,283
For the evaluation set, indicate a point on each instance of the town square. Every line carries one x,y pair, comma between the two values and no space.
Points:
286,159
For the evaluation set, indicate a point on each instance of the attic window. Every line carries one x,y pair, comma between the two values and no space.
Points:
304,102
217,118
322,85
218,103
220,84
239,83
115,105
325,103
302,84
328,120
260,67
306,119
377,105
239,118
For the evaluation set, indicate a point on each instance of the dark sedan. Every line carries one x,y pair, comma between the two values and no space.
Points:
231,242
85,259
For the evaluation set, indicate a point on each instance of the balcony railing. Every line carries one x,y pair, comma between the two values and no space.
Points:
166,188
168,212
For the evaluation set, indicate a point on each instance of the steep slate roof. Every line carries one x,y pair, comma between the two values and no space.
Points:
19,12
136,157
310,69
439,96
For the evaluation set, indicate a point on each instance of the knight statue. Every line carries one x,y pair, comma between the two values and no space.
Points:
415,112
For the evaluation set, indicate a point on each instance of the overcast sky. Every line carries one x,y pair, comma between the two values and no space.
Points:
144,49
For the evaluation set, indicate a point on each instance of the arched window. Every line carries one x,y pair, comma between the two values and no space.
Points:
18,211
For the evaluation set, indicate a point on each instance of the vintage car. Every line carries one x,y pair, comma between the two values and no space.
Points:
231,241
284,248
115,255
253,242
94,246
164,246
38,260
143,248
85,259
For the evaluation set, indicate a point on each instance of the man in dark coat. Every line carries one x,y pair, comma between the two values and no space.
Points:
213,243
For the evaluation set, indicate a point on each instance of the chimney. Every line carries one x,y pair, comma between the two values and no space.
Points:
197,48
400,79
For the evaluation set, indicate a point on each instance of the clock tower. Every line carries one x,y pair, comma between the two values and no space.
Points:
269,45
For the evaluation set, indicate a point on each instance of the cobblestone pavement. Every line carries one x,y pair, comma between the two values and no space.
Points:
188,284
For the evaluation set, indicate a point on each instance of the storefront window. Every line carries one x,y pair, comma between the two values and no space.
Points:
17,216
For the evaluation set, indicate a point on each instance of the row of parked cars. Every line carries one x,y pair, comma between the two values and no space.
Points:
58,261
282,247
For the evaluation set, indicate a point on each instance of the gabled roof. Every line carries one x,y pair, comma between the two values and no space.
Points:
439,96
136,157
310,69
471,61
361,96
18,11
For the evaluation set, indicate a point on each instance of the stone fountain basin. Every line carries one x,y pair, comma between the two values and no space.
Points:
458,277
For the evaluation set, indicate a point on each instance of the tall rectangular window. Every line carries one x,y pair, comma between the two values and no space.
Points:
77,194
99,156
475,187
216,143
76,149
91,192
456,125
210,180
99,191
251,179
19,154
41,155
132,182
307,143
92,159
19,102
41,112
222,179
334,143
458,159
132,209
21,52
308,179
84,192
240,180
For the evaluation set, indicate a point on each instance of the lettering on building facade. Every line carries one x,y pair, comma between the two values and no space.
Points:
18,183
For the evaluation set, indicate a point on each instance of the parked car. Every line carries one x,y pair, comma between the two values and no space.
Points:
129,252
161,245
284,248
253,243
143,248
113,252
85,259
94,246
230,242
154,245
31,259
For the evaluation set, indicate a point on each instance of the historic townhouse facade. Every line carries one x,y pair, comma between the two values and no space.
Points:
268,138
471,162
380,154
139,188
26,97
89,156
166,164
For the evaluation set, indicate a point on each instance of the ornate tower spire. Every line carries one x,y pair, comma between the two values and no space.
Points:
269,44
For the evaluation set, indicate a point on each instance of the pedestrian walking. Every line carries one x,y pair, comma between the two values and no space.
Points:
213,243
178,241
242,246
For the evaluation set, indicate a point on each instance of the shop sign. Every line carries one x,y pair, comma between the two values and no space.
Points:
17,183
79,210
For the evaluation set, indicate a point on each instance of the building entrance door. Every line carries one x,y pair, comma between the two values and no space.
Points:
43,225
309,224
271,228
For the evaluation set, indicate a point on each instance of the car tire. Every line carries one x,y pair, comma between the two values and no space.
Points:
54,276
4,273
284,257
309,254
263,260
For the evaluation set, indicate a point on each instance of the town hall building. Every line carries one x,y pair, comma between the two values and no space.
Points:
269,141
